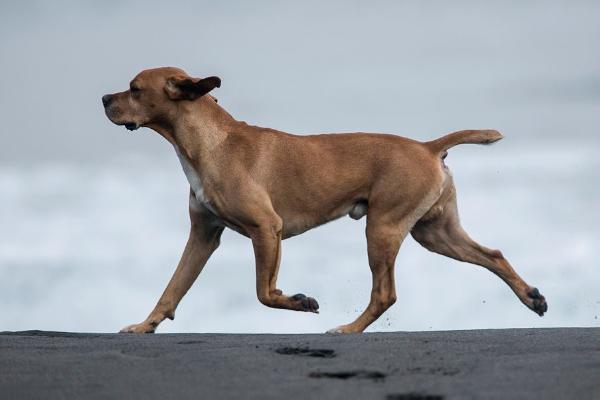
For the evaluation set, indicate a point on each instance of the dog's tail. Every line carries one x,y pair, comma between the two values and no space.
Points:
469,136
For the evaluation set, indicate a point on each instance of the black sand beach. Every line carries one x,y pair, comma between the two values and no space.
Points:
491,364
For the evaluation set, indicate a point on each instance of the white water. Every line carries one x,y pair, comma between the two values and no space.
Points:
93,220
91,249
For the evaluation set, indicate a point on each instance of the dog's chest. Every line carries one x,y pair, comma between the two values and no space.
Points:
194,180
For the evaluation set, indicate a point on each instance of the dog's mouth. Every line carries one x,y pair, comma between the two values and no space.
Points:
131,126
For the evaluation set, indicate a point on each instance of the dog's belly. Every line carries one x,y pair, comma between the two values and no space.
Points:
298,223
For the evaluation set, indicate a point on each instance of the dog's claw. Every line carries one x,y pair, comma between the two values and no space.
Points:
306,303
538,305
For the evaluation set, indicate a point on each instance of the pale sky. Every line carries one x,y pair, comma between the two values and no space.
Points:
531,70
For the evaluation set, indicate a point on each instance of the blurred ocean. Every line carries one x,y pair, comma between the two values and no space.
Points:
93,220
91,249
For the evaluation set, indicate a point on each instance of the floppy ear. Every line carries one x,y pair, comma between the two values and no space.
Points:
184,88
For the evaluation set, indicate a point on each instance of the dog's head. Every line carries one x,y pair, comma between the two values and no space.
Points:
153,96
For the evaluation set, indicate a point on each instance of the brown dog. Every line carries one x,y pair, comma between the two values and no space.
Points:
270,185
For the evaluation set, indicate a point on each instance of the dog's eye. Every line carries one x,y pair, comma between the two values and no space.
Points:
135,91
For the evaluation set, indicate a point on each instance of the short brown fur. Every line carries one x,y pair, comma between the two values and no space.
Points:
269,185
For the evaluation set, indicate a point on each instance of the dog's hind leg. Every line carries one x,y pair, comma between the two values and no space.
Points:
443,234
391,214
384,237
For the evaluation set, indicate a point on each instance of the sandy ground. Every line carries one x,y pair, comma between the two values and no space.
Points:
491,364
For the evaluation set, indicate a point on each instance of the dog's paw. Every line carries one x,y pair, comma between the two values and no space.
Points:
537,302
339,330
306,303
138,328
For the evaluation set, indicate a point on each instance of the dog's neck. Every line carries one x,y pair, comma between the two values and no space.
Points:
197,128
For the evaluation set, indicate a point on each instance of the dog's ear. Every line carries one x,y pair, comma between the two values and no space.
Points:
184,88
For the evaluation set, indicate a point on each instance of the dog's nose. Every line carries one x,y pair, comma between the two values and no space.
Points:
106,99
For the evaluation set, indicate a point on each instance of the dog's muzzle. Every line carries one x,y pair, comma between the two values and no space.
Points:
106,100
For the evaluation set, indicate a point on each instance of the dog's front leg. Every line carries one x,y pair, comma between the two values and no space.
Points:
202,242
266,240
